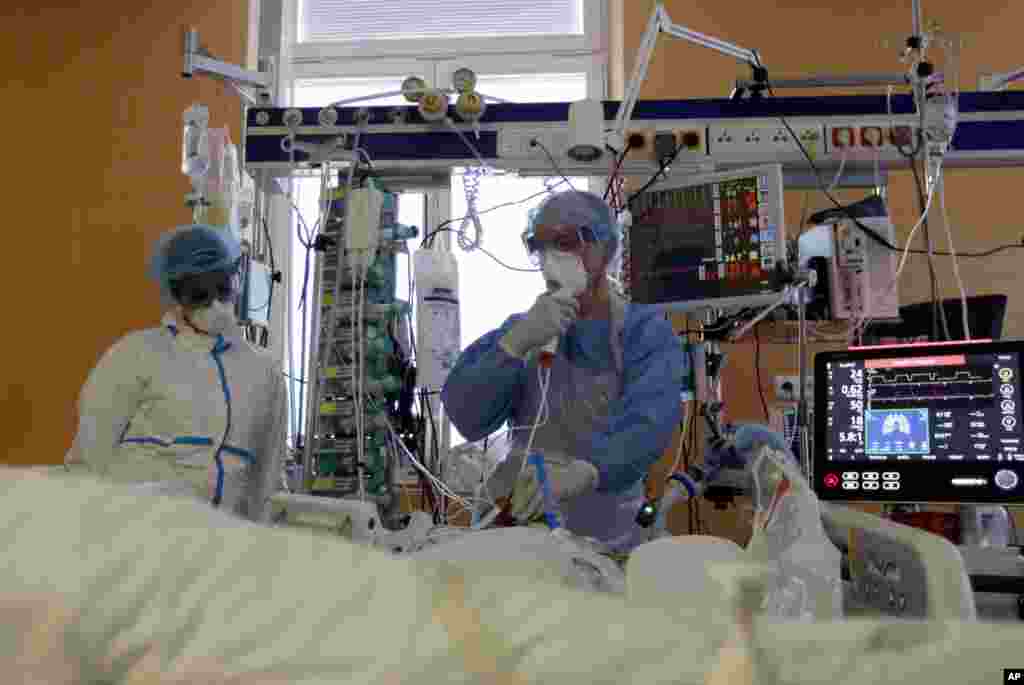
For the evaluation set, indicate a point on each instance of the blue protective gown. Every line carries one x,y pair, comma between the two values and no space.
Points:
613,400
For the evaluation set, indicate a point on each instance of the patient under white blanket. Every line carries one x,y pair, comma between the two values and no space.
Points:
101,585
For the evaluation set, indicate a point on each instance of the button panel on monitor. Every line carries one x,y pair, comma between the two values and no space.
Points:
1007,479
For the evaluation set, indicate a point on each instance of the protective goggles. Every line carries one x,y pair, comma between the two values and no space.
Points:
569,239
200,290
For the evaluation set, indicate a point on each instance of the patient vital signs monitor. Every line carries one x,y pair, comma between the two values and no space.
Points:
711,240
920,423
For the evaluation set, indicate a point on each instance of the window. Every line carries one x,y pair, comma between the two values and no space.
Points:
370,20
546,52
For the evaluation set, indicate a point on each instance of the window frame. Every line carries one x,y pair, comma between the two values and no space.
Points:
435,60
593,39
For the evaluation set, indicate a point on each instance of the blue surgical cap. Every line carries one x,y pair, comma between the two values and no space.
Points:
190,250
581,209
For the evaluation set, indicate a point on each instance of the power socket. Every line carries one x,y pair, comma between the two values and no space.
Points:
764,144
786,388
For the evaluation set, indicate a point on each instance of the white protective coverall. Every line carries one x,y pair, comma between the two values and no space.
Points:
188,414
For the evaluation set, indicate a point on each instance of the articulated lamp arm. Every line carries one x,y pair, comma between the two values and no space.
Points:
661,23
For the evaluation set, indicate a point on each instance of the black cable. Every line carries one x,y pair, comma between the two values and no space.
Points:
510,268
554,165
615,171
871,233
436,446
273,265
441,229
665,164
512,203
757,374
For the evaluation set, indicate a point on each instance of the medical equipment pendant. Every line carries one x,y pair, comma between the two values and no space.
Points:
352,366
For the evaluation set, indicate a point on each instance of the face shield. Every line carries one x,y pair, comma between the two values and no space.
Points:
560,238
202,290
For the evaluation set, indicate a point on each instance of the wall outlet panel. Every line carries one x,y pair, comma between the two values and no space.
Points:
768,143
515,142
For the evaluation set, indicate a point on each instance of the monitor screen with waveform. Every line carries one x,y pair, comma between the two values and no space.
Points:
900,404
712,240
931,423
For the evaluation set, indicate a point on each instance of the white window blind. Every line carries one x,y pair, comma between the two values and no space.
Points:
362,20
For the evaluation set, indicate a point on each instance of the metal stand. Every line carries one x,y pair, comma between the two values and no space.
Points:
658,23
821,81
796,294
198,60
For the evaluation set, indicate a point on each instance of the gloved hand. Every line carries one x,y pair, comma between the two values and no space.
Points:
549,317
565,480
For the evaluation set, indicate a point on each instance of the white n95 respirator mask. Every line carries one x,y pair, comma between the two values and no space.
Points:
216,318
563,271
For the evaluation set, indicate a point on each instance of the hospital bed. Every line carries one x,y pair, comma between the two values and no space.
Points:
889,570
118,584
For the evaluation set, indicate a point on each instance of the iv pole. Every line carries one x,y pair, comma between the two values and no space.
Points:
796,293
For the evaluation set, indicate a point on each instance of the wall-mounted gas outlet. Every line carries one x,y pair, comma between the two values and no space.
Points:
866,142
787,388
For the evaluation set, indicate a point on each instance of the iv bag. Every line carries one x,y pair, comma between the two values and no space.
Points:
438,340
790,538
195,144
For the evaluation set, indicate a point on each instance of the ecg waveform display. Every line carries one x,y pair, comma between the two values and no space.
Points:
954,387
939,407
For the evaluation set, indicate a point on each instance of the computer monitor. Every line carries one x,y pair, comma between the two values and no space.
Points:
710,240
933,422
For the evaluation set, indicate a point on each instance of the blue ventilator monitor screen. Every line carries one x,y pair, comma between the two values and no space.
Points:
920,423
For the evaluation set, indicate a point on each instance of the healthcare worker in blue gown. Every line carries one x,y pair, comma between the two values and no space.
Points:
614,392
188,407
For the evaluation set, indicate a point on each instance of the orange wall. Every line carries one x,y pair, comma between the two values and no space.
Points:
94,101
800,38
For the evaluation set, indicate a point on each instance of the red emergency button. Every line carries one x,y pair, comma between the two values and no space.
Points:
831,480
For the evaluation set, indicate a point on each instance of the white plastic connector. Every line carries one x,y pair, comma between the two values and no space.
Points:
362,226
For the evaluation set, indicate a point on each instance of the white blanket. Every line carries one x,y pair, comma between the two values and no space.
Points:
100,585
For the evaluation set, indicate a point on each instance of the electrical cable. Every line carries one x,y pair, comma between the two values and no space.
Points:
427,239
956,262
861,325
757,375
615,171
871,233
938,312
665,164
554,165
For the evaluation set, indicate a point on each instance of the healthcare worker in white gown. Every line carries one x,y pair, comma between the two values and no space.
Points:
189,407
614,392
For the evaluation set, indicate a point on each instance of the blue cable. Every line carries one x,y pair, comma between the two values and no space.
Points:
218,350
550,510
687,482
